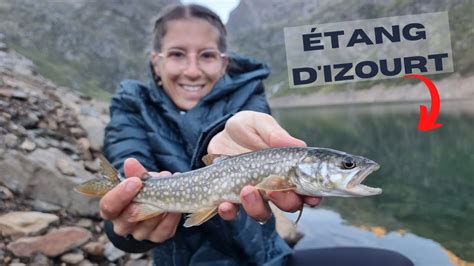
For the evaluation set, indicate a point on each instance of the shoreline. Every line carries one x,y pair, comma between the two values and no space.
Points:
380,94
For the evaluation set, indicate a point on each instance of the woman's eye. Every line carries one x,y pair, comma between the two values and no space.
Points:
209,55
176,54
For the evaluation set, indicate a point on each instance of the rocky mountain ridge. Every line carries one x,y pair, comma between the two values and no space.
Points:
85,45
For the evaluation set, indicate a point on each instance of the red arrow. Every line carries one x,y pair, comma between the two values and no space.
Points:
428,121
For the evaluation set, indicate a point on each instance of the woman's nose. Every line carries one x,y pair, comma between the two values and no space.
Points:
192,70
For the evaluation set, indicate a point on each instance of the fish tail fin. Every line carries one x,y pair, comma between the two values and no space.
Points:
98,187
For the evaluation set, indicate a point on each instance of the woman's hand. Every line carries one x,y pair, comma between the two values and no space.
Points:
249,131
117,207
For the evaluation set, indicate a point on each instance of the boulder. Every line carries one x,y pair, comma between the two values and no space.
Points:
36,175
94,248
52,244
112,253
5,193
19,224
72,258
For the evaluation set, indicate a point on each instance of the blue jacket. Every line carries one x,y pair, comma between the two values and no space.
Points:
145,124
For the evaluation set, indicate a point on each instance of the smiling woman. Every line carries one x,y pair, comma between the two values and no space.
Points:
199,98
187,60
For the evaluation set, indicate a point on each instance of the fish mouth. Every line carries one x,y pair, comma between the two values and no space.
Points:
357,189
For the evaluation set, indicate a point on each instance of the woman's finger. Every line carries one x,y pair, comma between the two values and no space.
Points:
228,211
287,201
132,167
166,229
312,201
122,227
162,173
143,229
254,205
116,200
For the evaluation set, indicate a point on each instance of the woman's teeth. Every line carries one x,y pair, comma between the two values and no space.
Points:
192,87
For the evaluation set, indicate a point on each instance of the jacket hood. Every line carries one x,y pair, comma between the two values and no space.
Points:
241,70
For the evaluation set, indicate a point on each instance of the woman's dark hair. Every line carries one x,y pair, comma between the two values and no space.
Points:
188,11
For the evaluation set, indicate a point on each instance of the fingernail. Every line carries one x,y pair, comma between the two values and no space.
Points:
131,186
250,197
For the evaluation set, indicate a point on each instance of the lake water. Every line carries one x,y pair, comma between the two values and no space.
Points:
426,210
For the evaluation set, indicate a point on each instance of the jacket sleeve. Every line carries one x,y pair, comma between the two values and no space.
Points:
125,136
257,102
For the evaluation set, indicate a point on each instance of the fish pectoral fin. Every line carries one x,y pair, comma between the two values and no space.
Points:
200,217
275,183
143,211
209,159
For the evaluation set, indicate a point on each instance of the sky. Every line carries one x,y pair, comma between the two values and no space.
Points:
221,7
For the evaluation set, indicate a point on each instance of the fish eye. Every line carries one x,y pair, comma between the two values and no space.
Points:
348,164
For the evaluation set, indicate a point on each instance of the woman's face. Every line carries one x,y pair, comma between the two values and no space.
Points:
189,62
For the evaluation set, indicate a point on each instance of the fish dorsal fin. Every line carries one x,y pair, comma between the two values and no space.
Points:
200,217
275,183
107,170
209,159
143,211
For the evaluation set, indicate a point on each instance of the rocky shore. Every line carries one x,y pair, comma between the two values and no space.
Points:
49,141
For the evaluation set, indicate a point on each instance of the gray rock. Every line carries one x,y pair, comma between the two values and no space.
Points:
3,121
94,248
3,104
19,224
112,253
40,259
64,167
95,127
41,143
72,258
78,132
136,256
6,93
17,263
91,166
5,193
11,140
36,175
42,206
86,263
86,223
28,145
68,147
20,95
85,145
137,263
3,46
29,121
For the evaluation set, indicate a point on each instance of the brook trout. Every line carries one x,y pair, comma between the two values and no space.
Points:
305,170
